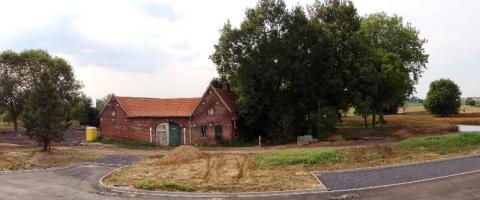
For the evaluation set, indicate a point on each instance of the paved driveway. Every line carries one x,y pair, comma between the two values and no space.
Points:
353,179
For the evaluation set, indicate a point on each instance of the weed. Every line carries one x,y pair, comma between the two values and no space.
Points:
177,187
373,155
145,185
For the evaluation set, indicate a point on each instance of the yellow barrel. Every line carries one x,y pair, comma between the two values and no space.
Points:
91,134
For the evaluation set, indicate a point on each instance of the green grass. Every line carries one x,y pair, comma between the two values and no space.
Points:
444,142
145,185
148,185
177,187
126,143
284,158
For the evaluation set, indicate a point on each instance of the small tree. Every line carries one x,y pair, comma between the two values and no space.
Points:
470,101
443,98
44,112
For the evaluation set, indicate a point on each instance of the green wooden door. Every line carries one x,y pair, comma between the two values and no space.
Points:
218,133
174,134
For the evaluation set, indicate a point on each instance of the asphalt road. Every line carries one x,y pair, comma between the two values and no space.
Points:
352,179
80,183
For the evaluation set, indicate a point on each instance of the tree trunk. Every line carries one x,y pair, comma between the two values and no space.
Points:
365,121
45,145
380,118
14,115
374,115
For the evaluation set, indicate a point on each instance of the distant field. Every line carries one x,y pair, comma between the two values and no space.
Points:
8,126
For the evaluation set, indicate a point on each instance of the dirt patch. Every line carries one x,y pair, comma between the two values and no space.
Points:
21,158
182,154
227,173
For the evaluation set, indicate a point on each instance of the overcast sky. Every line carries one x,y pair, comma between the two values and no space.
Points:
161,48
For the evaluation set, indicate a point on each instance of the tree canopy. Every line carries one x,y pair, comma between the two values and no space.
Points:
44,115
443,98
19,71
296,70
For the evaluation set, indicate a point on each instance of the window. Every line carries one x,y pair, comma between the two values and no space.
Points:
113,113
211,111
203,131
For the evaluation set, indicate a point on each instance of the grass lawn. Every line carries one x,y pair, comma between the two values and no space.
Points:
283,169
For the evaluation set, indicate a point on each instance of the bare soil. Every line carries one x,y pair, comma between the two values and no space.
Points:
228,173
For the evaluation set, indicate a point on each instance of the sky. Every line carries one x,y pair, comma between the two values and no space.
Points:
160,48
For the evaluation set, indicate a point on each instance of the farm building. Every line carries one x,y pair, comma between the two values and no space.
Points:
206,120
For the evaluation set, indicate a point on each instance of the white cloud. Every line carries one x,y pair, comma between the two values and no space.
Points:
160,48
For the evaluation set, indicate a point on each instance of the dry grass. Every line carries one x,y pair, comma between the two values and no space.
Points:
16,158
283,170
228,173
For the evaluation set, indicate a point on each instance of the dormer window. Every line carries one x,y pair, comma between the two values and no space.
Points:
211,111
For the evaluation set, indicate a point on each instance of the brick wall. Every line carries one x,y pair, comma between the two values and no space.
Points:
222,116
120,127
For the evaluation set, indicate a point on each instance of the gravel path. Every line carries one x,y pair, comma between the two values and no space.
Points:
361,178
116,160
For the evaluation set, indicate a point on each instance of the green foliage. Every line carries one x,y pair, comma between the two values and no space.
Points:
100,103
470,101
177,187
19,72
284,158
148,185
145,185
373,155
44,113
443,143
395,61
288,67
443,98
84,112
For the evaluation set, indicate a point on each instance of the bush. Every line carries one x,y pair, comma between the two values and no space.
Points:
177,187
470,101
145,185
285,158
443,98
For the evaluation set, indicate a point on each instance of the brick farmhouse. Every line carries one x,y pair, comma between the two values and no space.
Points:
206,120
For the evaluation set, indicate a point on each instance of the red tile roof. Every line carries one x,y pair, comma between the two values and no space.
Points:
152,107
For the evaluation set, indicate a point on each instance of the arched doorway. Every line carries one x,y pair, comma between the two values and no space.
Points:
174,134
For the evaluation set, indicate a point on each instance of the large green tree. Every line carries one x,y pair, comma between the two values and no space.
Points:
290,69
45,111
443,98
19,71
395,61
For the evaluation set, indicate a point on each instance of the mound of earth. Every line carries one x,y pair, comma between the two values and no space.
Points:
182,154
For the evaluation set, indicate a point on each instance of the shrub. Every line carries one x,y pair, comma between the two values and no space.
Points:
145,185
470,101
443,98
177,187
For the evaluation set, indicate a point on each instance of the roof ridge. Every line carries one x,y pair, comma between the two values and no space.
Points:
154,98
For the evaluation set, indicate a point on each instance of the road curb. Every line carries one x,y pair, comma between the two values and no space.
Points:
103,186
